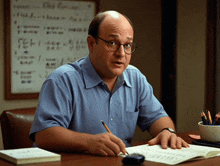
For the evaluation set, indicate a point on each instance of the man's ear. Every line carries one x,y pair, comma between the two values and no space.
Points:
91,42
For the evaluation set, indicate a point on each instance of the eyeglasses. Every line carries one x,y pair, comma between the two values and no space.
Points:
129,48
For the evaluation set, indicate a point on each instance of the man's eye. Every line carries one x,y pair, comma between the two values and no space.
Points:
128,45
111,43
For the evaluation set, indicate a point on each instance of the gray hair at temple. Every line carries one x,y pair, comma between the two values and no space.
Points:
98,19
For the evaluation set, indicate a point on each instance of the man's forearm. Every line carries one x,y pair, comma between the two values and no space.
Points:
65,140
62,139
157,126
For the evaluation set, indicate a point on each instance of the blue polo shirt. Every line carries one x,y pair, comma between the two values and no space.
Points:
75,97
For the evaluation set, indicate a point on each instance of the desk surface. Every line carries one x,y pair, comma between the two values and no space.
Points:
70,159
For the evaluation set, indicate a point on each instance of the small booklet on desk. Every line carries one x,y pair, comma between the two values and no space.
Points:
206,143
29,155
173,156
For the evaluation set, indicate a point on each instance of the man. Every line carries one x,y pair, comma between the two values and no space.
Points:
76,97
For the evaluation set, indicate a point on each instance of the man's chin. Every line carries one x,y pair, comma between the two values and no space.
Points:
117,73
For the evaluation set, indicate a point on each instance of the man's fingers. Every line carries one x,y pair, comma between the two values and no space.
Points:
102,144
174,141
108,145
171,140
154,141
109,151
177,143
164,142
184,143
118,144
104,151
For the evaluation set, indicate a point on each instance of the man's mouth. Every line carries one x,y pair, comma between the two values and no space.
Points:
119,63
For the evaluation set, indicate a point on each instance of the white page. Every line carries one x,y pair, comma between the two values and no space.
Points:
28,153
170,156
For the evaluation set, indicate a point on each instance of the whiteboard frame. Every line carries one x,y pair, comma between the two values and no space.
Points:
7,58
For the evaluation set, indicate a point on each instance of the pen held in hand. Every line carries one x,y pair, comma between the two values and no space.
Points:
106,127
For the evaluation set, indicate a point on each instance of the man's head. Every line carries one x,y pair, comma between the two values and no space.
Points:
95,24
106,29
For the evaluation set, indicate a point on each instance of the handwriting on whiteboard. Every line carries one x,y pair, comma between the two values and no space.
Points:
46,34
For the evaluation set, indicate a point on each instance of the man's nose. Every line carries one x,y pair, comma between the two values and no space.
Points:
121,50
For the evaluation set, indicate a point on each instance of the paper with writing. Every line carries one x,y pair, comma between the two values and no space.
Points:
173,156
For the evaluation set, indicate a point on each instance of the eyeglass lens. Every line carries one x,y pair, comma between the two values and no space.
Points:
128,48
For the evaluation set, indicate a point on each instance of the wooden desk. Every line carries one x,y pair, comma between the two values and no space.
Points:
75,159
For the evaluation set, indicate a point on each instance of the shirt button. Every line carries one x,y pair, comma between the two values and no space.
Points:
111,119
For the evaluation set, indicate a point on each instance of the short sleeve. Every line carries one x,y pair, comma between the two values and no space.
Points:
150,109
54,107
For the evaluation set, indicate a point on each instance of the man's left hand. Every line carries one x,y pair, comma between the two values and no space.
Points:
166,138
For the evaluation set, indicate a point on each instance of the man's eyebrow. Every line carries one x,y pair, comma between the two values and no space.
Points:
116,36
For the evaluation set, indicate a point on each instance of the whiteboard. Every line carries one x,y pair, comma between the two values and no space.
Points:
46,34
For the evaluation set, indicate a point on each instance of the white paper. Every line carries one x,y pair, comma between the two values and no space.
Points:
170,156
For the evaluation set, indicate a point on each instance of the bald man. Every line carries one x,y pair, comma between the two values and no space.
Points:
76,97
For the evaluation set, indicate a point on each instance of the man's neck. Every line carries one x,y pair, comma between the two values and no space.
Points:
110,82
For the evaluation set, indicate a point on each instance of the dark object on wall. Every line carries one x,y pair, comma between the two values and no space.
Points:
168,59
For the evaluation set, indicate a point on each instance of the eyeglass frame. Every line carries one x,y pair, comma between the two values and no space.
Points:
108,42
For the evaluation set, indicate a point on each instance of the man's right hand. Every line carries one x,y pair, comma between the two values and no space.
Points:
106,144
64,140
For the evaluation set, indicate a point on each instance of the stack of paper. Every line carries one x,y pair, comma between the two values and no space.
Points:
29,155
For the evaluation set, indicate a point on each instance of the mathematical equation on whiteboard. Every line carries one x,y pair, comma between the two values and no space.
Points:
44,36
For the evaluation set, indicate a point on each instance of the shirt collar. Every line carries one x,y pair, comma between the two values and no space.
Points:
126,80
92,78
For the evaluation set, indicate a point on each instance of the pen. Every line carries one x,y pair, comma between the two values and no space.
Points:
204,119
209,117
217,118
106,127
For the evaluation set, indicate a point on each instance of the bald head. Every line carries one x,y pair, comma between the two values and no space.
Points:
94,26
112,14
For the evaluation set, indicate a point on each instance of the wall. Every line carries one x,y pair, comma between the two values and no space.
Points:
146,17
191,54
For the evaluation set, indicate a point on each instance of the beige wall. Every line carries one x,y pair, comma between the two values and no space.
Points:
146,17
191,53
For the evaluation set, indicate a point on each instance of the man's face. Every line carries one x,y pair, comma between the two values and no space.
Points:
110,64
